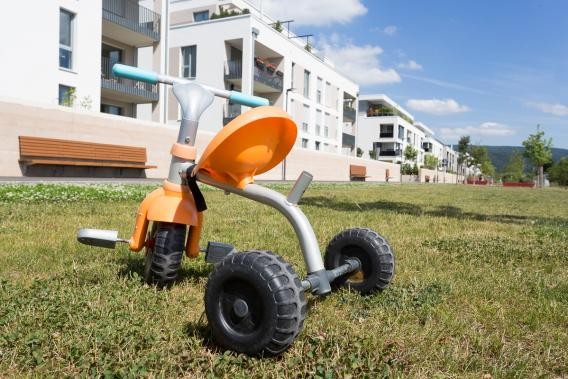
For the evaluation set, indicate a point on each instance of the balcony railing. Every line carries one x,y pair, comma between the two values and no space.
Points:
273,80
349,114
231,112
386,135
143,90
129,14
390,153
348,140
378,110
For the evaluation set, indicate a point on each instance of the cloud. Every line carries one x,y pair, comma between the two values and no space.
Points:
437,106
555,109
390,30
487,129
411,65
360,63
314,12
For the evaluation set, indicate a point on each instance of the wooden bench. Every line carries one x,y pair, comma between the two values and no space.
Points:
50,151
357,173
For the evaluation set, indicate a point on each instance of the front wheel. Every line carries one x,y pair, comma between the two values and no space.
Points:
164,253
255,303
374,253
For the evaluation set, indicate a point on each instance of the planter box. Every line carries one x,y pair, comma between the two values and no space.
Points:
410,179
519,184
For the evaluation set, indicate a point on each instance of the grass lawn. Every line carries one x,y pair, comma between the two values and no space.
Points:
481,286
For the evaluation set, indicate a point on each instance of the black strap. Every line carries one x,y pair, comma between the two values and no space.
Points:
200,203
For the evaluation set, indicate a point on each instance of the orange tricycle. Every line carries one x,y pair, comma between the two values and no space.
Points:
254,300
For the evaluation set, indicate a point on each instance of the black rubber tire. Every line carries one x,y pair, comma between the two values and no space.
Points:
275,303
165,253
374,253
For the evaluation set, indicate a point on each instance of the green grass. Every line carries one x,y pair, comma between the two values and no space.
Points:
481,286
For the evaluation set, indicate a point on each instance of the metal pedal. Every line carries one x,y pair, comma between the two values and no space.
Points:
99,238
217,251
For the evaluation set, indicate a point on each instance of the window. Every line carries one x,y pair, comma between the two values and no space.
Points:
189,55
326,131
66,95
304,143
292,75
111,109
66,39
318,145
304,126
306,84
319,89
113,54
401,132
201,16
318,130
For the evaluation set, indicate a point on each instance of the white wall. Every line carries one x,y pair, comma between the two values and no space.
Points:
210,38
29,68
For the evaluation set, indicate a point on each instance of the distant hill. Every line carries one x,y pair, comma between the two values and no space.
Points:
500,154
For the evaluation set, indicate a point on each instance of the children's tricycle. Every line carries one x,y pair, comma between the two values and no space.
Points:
254,300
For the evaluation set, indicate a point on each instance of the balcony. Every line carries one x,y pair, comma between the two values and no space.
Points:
386,135
348,140
349,114
126,21
266,79
127,90
390,153
380,110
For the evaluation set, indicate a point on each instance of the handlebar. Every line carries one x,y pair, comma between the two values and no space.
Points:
152,77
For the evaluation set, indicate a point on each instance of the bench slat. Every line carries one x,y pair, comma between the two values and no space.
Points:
39,150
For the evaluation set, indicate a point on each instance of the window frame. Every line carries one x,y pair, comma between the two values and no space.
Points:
64,47
206,11
307,78
191,65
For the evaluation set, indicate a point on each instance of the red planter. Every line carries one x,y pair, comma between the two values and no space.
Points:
518,184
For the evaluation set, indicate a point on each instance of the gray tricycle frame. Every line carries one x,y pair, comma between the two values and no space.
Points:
194,99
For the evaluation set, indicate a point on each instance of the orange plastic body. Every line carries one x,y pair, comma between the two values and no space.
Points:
251,144
167,204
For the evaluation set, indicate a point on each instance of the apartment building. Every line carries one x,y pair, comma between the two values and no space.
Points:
67,58
385,129
233,45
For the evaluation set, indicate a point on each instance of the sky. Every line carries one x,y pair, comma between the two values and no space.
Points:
490,69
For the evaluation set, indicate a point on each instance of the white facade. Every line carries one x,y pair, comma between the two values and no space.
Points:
385,129
32,68
245,53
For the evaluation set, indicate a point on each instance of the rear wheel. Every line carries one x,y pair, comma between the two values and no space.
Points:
255,303
374,253
164,253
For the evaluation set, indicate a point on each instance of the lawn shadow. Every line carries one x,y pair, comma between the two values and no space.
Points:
134,266
417,210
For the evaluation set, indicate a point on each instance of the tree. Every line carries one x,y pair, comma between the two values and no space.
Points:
538,151
514,171
410,153
559,172
430,161
373,154
359,152
464,147
480,156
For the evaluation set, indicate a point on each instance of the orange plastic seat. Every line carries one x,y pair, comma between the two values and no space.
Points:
251,144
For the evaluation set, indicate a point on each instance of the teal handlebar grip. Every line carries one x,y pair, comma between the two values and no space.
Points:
247,100
134,73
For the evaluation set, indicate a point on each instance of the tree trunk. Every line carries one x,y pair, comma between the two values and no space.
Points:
541,176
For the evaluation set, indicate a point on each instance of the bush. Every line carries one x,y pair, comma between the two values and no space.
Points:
408,169
559,172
